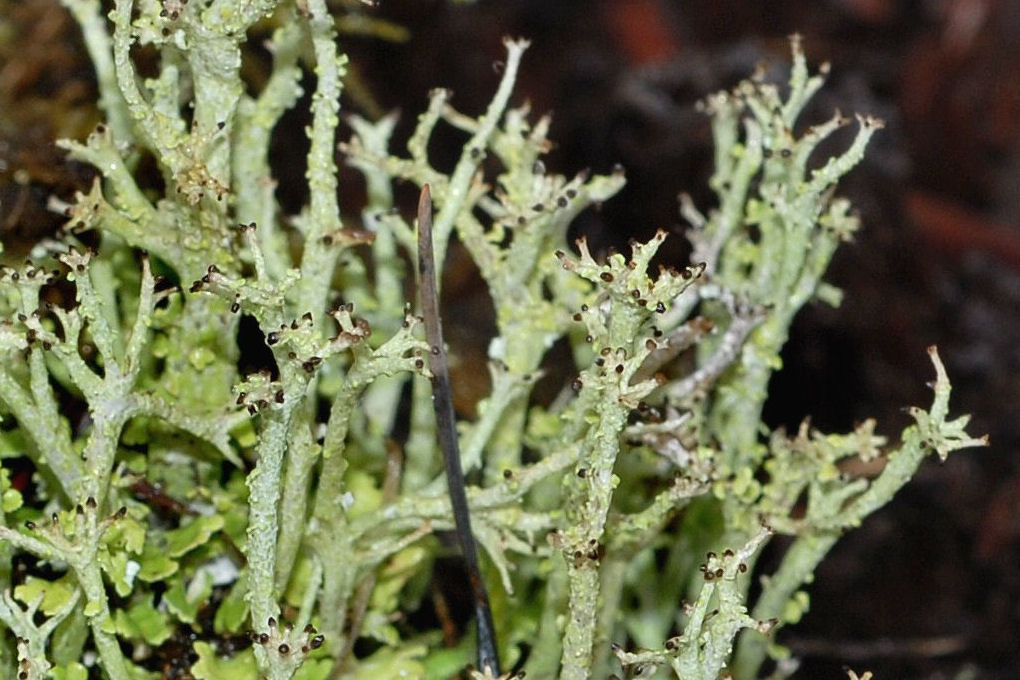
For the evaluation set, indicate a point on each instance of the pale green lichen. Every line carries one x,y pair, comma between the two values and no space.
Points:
284,506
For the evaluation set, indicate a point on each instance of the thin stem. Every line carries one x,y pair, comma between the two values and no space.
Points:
442,401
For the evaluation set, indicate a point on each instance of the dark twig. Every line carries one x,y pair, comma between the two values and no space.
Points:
442,401
885,648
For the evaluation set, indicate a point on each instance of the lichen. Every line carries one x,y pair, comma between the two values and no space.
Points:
173,493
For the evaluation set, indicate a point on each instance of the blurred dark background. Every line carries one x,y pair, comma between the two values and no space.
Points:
930,586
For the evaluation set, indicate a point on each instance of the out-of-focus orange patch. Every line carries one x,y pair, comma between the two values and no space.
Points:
954,230
642,30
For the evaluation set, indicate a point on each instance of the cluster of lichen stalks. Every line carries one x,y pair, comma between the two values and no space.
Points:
295,503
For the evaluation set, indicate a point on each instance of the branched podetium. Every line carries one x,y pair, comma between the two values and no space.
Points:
488,658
